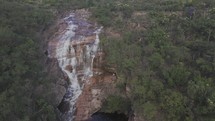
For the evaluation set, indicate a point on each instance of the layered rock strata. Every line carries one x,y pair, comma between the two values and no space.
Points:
75,46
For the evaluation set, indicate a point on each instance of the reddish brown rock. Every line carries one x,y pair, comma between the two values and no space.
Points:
95,89
69,68
94,93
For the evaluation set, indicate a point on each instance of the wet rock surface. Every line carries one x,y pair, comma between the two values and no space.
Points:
79,62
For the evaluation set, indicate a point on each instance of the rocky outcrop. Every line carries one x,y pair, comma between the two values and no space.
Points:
56,88
59,81
93,95
77,62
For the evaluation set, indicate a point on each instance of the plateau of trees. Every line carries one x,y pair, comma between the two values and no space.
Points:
164,53
166,59
21,62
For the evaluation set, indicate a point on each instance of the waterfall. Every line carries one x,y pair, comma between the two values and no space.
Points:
73,50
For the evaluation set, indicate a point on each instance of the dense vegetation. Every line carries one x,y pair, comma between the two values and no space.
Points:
166,56
162,50
21,61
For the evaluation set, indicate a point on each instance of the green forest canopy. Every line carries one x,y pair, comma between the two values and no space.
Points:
165,55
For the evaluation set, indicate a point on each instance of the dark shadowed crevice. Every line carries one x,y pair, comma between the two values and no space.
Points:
63,106
101,116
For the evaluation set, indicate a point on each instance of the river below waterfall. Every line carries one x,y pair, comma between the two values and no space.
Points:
74,46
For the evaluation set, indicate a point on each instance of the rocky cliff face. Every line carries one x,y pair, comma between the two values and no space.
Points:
75,56
94,93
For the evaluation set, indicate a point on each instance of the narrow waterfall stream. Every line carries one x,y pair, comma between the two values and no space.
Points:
75,48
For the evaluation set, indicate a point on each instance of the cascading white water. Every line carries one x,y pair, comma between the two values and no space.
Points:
69,59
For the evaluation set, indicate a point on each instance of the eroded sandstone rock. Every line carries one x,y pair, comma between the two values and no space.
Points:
74,57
